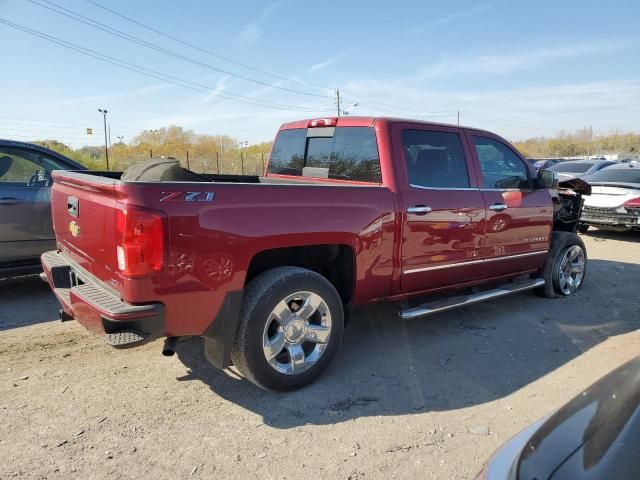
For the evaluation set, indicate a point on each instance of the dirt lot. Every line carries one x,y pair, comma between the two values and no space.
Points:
426,399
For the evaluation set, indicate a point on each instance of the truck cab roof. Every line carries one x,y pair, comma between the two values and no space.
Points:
370,121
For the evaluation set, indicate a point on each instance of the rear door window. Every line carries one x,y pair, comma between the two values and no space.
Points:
344,153
435,159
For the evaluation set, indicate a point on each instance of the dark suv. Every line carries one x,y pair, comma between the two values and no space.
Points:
25,212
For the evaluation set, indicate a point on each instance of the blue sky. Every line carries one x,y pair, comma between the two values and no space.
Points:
518,68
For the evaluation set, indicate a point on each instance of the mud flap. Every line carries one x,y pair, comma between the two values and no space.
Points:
221,334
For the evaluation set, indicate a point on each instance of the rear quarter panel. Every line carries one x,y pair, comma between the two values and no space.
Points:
211,244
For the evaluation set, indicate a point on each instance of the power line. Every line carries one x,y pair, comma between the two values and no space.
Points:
118,33
255,69
512,124
43,121
154,73
11,131
395,107
23,124
48,137
203,50
56,123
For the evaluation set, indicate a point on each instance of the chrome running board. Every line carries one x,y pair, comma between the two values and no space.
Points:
464,300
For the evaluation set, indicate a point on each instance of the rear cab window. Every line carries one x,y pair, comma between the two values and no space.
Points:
339,153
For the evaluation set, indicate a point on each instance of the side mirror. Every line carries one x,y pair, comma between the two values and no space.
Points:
547,179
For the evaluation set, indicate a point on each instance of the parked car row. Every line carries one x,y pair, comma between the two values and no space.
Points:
580,168
614,202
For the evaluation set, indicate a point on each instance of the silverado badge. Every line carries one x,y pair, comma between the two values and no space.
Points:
74,228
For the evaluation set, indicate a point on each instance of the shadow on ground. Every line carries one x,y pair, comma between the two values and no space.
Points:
601,235
26,301
449,361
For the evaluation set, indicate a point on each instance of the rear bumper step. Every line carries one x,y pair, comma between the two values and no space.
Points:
86,299
126,338
464,300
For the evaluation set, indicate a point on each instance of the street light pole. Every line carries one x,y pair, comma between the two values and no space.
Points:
106,144
245,143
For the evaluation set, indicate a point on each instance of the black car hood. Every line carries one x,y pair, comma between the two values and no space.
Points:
594,436
576,184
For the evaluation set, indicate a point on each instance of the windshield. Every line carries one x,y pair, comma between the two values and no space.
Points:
618,175
572,167
343,153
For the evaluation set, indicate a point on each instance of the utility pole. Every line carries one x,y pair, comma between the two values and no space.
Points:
103,111
458,117
245,143
110,151
338,100
589,142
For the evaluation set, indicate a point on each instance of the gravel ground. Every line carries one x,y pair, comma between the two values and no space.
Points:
429,398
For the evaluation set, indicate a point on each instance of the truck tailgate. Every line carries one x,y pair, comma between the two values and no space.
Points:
83,210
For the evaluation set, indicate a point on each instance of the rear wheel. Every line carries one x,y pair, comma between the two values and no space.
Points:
291,325
566,266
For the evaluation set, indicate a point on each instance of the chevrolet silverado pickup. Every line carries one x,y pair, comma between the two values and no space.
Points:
349,211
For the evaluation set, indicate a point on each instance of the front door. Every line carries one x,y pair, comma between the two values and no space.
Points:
443,209
519,216
25,211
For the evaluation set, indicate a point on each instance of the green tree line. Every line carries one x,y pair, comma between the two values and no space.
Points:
224,154
580,143
200,152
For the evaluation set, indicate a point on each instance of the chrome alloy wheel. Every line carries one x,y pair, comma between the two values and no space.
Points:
297,332
571,270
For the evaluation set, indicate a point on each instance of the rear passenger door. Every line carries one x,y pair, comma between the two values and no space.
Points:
519,216
442,208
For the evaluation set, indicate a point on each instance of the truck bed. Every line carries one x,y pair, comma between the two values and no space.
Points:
213,230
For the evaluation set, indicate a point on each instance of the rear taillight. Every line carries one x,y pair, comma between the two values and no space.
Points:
634,202
323,122
140,245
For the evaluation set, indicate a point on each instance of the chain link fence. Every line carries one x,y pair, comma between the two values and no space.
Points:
233,163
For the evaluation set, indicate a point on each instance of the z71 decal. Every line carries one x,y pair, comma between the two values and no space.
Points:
187,197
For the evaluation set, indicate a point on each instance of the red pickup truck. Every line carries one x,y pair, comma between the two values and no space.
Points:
350,211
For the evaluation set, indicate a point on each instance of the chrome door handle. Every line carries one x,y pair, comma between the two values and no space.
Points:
498,206
9,201
419,209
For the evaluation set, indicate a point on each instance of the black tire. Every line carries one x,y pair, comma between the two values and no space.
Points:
560,243
261,296
582,228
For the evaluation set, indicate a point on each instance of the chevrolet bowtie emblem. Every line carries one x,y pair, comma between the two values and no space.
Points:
74,228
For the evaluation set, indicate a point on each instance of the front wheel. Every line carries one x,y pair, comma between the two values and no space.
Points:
583,228
566,265
291,325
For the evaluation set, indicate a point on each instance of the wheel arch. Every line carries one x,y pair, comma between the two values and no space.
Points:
334,261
